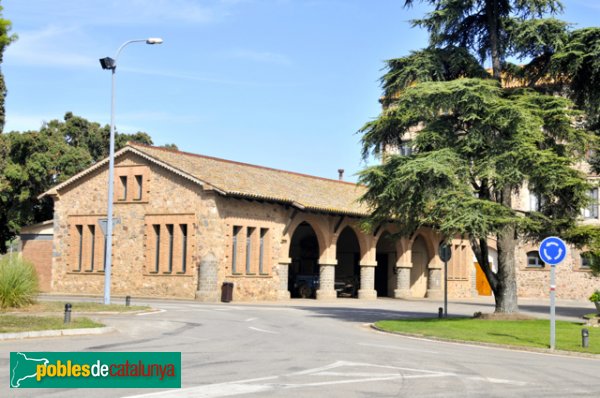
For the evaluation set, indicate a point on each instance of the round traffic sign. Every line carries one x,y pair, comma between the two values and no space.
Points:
445,252
553,250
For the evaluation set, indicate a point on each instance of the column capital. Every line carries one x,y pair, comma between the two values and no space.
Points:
331,262
368,264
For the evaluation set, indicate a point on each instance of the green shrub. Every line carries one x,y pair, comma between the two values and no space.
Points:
595,296
18,282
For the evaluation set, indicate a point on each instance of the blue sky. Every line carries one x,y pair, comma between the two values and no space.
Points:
279,83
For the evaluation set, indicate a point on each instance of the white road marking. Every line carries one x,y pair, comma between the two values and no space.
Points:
262,330
151,313
250,386
498,381
251,319
396,348
211,391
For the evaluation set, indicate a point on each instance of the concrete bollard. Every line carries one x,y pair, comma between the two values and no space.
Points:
67,313
585,338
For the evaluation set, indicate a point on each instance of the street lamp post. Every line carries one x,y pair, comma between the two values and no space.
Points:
110,63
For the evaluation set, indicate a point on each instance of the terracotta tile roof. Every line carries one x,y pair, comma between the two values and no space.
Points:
256,182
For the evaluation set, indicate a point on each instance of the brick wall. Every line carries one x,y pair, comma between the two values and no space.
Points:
39,252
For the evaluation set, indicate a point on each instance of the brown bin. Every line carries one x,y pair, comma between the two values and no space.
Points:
227,292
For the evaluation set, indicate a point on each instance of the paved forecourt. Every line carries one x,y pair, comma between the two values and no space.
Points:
306,348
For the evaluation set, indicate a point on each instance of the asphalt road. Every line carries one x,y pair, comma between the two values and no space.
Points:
307,348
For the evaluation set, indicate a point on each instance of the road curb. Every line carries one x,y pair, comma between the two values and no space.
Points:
55,333
491,345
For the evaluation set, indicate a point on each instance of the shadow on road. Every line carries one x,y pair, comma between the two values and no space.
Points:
363,315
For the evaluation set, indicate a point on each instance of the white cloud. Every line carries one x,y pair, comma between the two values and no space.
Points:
188,76
44,48
24,122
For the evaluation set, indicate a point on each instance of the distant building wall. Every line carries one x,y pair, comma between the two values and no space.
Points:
36,247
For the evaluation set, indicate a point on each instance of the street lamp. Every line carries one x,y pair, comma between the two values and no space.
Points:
111,64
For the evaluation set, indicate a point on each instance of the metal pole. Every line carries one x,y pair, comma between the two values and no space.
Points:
552,307
109,212
111,178
446,289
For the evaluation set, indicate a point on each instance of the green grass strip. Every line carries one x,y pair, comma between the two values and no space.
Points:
19,323
526,333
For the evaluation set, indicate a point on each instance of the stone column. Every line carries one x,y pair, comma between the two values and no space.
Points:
402,289
326,289
207,279
434,282
367,282
283,272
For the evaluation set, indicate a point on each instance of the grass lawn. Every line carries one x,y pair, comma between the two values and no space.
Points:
528,333
59,306
20,323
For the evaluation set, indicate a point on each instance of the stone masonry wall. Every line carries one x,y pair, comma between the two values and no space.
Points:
167,195
572,281
252,286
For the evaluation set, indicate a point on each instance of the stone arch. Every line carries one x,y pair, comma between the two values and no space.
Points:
316,225
431,243
362,238
421,256
304,253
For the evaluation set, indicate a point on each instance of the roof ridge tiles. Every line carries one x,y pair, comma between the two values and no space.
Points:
138,144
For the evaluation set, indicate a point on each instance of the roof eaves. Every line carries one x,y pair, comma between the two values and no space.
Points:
54,190
297,205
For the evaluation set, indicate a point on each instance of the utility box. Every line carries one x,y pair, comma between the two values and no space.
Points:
227,292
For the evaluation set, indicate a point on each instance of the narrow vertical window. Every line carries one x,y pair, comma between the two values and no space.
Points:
183,247
93,244
139,182
234,250
170,233
123,187
249,233
591,212
156,246
261,254
80,255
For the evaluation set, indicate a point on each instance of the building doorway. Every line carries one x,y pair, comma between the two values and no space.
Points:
385,256
347,271
303,277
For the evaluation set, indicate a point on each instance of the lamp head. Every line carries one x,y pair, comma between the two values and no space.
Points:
154,40
108,63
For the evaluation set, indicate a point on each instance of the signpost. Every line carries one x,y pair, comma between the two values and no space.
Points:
445,254
553,251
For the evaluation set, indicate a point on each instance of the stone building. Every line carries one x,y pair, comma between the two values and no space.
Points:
188,223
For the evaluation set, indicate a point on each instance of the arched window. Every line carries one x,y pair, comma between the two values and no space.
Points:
586,260
534,260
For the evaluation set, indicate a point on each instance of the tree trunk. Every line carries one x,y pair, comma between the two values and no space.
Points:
505,292
491,10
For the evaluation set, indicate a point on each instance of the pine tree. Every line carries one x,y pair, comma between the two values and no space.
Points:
480,142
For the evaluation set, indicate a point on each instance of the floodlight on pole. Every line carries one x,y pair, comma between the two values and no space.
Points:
108,63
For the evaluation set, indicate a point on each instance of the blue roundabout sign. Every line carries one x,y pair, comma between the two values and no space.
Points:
553,250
